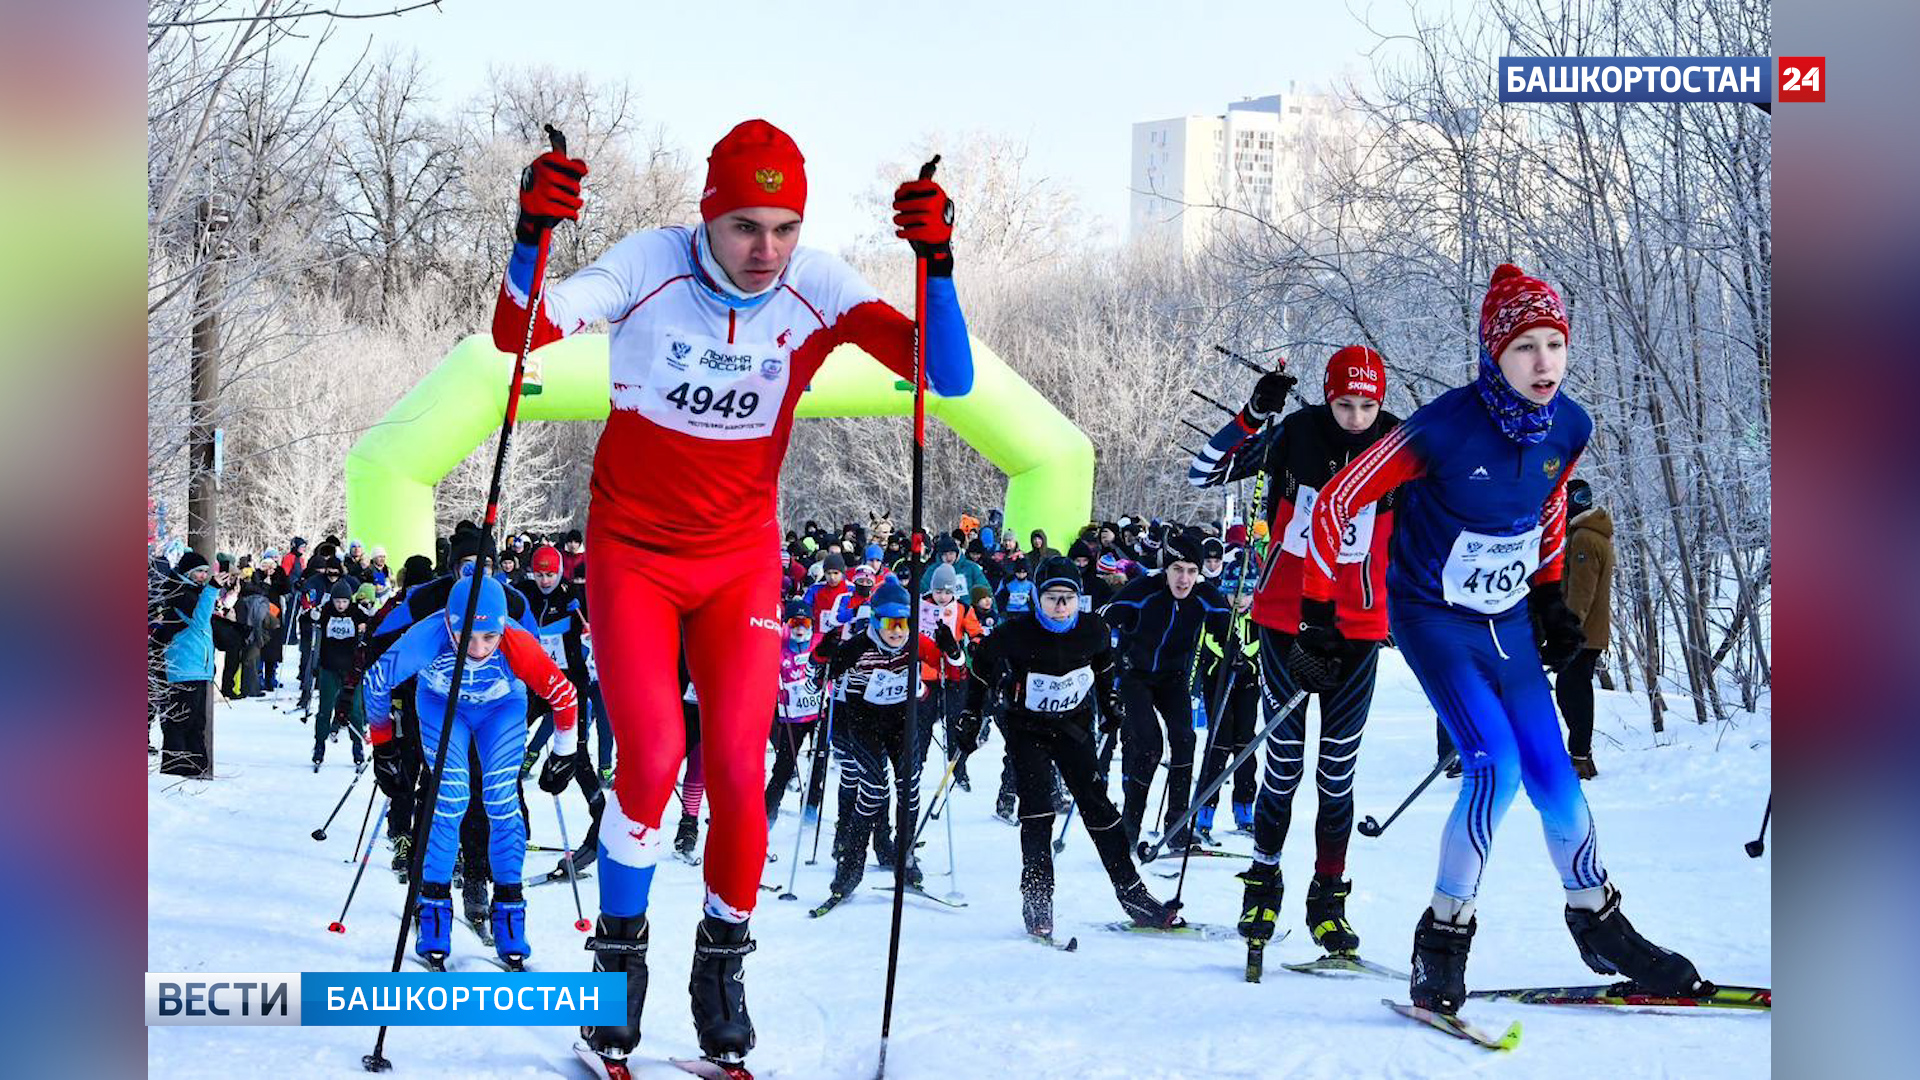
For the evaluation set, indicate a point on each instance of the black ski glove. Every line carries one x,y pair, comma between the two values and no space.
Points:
943,637
1556,629
557,773
968,732
387,774
1317,659
1269,397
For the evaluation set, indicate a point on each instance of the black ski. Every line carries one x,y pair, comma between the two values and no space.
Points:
1072,944
617,1068
554,877
1627,995
923,894
832,901
1457,1027
1197,931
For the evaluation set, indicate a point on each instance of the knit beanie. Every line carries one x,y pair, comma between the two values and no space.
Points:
755,164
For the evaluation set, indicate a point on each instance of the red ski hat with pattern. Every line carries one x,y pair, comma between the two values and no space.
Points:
756,164
544,560
1356,371
1515,304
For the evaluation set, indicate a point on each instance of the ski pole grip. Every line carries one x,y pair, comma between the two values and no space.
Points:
926,171
557,140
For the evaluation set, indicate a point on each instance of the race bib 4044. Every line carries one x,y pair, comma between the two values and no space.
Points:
1489,573
1058,693
710,389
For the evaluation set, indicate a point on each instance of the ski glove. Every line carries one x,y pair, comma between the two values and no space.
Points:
923,216
969,733
549,194
943,637
556,774
1319,650
1556,629
1269,397
387,775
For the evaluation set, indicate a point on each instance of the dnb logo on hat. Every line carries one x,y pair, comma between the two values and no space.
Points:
769,179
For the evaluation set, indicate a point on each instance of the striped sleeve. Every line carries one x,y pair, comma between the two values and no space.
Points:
1386,465
1227,455
412,651
1553,537
532,665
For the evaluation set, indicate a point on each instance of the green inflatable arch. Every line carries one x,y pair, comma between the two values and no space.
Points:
392,469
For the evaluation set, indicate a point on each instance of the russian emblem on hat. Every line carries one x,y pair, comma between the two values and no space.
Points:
1550,466
769,179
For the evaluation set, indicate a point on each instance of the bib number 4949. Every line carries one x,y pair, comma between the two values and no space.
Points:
700,400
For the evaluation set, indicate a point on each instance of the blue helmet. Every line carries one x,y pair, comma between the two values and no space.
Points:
890,600
489,616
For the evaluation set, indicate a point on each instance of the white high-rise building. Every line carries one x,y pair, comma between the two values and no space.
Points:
1194,174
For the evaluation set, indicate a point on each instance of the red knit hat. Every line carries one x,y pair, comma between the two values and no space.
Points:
545,560
1515,304
1356,370
756,164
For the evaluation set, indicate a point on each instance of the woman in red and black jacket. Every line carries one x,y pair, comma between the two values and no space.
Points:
1299,455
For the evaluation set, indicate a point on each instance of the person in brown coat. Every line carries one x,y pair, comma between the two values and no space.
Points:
1589,596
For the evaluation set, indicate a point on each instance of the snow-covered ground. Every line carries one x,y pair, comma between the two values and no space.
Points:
235,883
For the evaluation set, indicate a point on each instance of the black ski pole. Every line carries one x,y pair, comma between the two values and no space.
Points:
1369,827
1758,845
339,925
800,828
1148,852
321,832
430,801
822,751
903,821
364,818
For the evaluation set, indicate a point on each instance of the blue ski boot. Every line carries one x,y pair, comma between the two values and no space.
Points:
434,912
509,924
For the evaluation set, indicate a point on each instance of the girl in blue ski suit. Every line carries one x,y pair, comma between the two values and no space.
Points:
502,661
1475,603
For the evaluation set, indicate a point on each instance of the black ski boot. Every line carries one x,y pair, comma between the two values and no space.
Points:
915,879
1439,980
1003,808
476,907
402,848
883,849
1036,908
687,836
1260,902
620,944
719,990
1327,915
1611,946
582,859
1140,905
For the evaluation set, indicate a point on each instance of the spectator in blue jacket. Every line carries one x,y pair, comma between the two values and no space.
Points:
185,630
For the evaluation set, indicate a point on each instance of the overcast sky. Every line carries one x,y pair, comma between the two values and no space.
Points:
856,83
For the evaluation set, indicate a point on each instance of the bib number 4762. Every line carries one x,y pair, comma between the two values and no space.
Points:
700,400
1496,580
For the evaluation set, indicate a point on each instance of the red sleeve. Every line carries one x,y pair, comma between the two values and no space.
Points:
510,324
875,326
1553,538
534,667
930,653
1386,465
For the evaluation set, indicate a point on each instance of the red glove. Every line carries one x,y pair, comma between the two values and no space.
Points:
923,216
549,194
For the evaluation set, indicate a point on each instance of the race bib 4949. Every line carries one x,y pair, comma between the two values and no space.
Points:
706,387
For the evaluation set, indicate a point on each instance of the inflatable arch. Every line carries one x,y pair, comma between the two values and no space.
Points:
393,467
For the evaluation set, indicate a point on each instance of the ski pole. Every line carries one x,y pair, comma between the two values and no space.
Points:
1370,828
953,878
377,1061
822,755
364,818
933,804
321,832
339,925
580,922
1148,852
800,830
1758,845
915,552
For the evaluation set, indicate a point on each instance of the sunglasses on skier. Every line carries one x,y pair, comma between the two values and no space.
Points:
893,623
